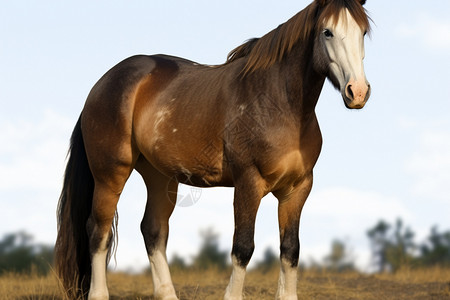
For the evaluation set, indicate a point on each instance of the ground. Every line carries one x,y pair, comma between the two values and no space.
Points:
210,284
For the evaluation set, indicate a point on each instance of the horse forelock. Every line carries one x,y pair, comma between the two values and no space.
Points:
272,47
333,11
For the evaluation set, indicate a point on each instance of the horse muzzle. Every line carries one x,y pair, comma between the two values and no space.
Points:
356,94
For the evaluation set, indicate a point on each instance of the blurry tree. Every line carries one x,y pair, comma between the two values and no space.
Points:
209,254
339,259
392,247
177,263
379,241
436,250
269,262
401,248
19,254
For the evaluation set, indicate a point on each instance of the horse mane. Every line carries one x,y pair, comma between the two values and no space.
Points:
263,52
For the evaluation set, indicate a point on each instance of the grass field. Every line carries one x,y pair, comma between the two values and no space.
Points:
406,284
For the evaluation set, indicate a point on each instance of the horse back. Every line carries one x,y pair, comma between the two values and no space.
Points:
167,109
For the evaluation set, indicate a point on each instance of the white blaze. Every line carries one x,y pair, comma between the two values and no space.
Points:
345,49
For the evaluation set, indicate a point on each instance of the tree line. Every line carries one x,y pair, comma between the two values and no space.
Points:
19,253
392,245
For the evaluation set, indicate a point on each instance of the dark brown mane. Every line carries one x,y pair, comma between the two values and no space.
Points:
272,47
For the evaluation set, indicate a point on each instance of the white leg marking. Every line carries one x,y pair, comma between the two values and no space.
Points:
99,289
162,282
236,285
287,284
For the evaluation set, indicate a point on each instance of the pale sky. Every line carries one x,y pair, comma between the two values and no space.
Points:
389,160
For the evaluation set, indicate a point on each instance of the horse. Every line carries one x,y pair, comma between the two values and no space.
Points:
249,123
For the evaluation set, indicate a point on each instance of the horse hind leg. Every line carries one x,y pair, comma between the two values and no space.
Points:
106,196
111,162
161,199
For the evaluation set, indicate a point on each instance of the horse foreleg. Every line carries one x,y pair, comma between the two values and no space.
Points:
161,200
246,202
289,209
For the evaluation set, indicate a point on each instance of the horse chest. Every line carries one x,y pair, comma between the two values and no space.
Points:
287,169
287,164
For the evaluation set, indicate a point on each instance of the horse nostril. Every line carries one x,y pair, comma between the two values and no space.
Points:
368,93
350,94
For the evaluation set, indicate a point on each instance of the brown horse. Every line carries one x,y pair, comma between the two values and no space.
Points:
249,124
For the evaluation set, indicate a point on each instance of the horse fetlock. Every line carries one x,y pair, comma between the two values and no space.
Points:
98,295
286,297
232,295
227,297
166,292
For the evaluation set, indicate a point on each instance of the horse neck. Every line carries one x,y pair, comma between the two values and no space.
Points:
303,83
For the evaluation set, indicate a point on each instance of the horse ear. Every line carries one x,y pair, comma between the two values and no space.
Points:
362,2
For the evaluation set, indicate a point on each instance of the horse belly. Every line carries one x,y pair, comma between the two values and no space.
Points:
198,165
191,155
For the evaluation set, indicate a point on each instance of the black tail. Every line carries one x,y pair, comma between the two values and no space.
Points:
72,258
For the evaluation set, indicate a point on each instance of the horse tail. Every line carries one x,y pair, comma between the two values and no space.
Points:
72,257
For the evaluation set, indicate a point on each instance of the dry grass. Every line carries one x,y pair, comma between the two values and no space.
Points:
15,286
406,284
211,284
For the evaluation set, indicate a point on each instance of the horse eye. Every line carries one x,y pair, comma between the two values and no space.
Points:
328,33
